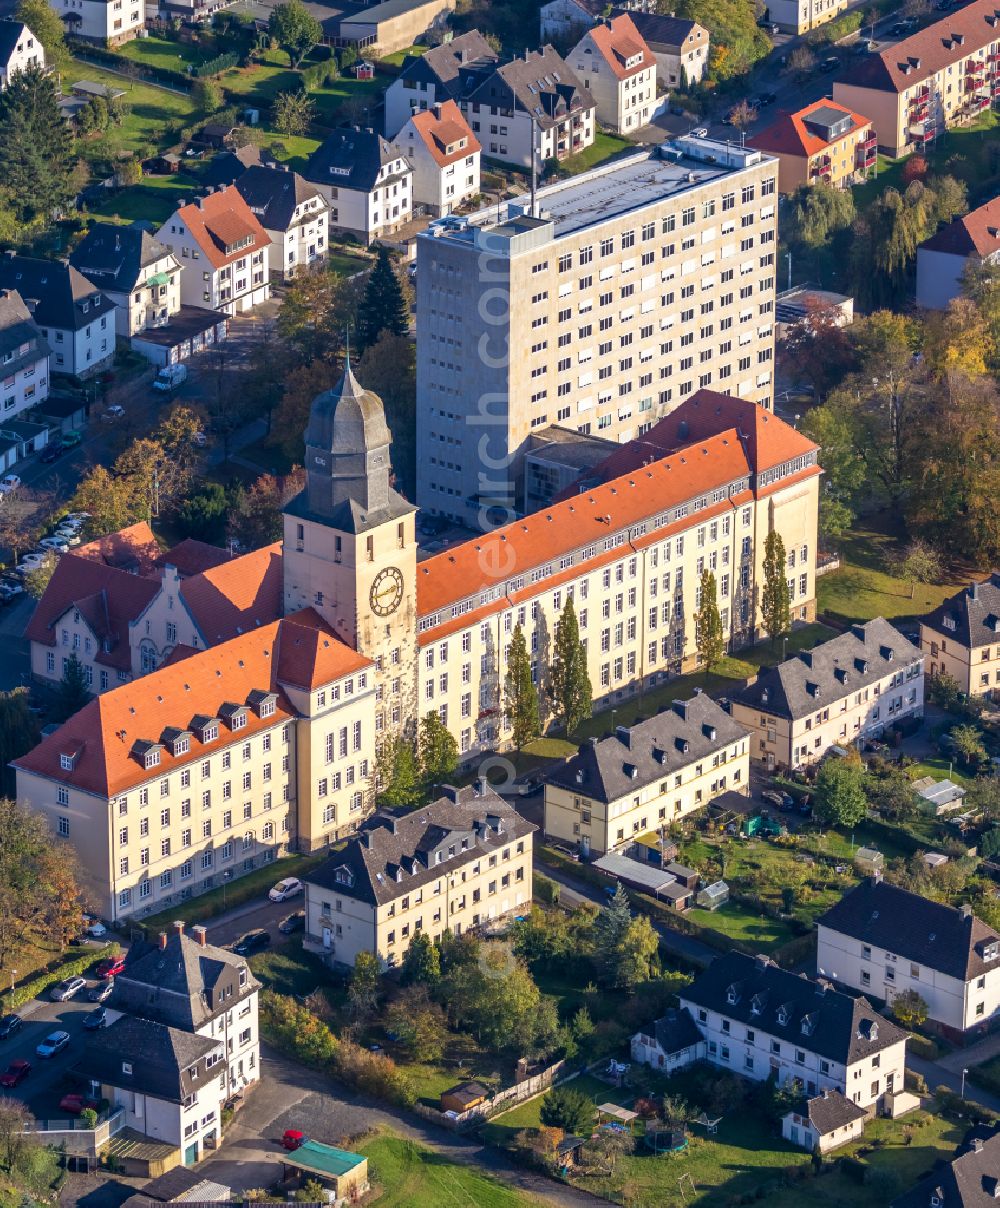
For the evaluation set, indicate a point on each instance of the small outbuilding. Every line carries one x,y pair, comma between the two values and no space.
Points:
713,896
869,860
464,1097
824,1123
343,1172
941,796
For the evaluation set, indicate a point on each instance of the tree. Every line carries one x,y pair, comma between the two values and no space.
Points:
840,797
496,998
301,387
774,605
909,1008
295,30
610,929
256,515
567,1108
969,746
383,307
742,115
36,147
19,732
399,773
362,993
293,112
36,581
419,1024
438,751
110,502
421,962
47,26
207,95
817,212
708,623
569,681
918,563
521,693
14,1137
203,516
74,691
890,791
802,62
638,954
606,1146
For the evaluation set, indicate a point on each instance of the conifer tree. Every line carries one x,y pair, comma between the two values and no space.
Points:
383,308
708,623
74,691
521,693
774,606
568,680
438,751
36,146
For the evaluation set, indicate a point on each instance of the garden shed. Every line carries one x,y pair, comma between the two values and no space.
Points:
713,896
869,860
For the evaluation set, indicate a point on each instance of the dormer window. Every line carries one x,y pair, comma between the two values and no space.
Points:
67,762
267,708
210,732
237,721
126,1067
344,876
733,995
783,1016
152,758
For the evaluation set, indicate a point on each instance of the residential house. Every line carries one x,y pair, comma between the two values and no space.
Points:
680,46
563,21
945,258
884,940
293,213
226,167
366,181
196,987
853,687
444,73
824,1122
619,71
673,1042
223,249
961,638
762,1021
453,865
533,107
24,358
19,49
74,317
800,16
938,77
646,776
138,274
824,143
106,22
970,1180
444,155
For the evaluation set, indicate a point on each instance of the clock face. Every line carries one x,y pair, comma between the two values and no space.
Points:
387,591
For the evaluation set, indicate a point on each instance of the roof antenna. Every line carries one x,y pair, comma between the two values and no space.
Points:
534,165
347,349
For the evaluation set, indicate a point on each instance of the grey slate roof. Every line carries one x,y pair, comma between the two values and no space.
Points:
970,1180
814,678
971,618
228,166
929,933
817,1018
659,32
606,769
393,856
160,1059
17,328
54,292
675,1030
113,256
453,67
350,159
830,1111
541,85
185,984
11,33
274,194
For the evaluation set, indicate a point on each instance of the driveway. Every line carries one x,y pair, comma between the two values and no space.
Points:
291,1096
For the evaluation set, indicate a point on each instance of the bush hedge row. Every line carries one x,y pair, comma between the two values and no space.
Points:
38,985
142,71
217,65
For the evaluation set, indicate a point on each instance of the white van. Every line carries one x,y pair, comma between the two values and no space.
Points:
170,377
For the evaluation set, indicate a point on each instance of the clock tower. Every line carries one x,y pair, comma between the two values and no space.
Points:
350,545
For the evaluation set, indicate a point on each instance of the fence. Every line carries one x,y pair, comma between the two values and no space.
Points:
502,1101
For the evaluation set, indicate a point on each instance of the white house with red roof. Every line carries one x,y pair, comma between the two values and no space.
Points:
944,258
444,154
222,248
619,70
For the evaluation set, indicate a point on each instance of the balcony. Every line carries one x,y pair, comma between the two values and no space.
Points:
870,140
823,169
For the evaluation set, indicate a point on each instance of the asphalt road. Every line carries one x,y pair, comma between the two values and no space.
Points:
230,926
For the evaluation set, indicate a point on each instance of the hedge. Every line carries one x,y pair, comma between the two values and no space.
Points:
923,1046
38,985
142,71
317,75
217,65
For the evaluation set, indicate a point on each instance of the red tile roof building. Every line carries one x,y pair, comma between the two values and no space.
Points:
944,258
619,70
941,76
822,143
444,153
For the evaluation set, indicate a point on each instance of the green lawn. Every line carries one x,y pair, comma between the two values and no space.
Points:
332,97
164,53
262,82
343,264
291,149
155,199
397,57
861,589
152,111
940,768
501,1130
741,923
287,969
413,1176
604,146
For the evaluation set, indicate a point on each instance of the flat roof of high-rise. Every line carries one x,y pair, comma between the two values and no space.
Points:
604,193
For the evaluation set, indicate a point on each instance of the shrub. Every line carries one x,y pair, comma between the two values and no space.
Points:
217,65
924,1047
296,1030
38,985
374,1073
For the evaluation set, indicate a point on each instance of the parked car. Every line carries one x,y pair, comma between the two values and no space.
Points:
76,1102
54,1043
70,440
830,63
55,544
113,414
9,482
292,1138
253,941
110,967
763,99
94,927
293,922
33,561
70,536
70,987
289,887
9,1025
9,591
783,801
52,452
15,1073
170,377
102,991
95,1019
77,518
866,47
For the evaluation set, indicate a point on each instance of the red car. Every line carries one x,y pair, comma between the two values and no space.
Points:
75,1103
292,1138
111,967
15,1073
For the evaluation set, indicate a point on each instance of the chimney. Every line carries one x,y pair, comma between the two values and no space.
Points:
179,926
200,935
623,735
974,591
977,1144
480,786
163,940
449,791
436,110
967,913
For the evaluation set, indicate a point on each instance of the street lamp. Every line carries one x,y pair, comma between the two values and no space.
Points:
964,1072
